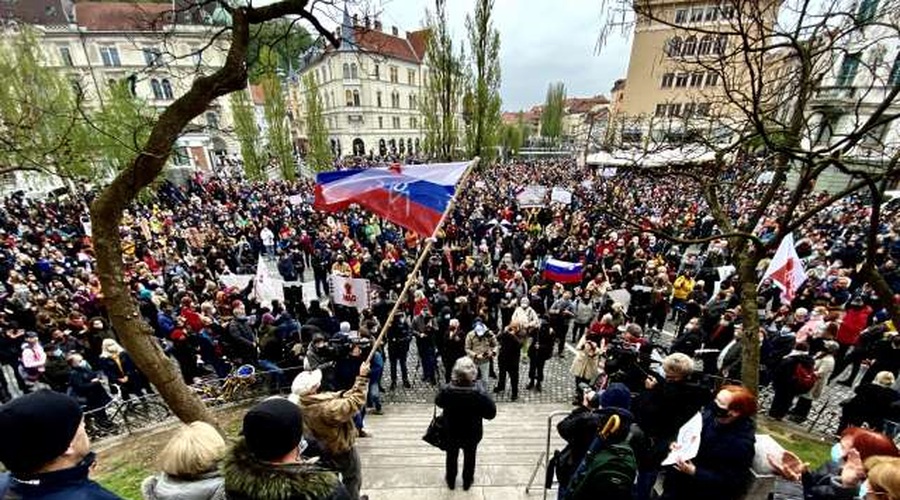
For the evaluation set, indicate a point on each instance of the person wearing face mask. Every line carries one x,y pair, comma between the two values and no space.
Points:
84,384
721,468
843,475
882,479
481,346
240,338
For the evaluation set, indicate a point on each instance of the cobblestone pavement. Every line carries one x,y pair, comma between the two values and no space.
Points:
559,385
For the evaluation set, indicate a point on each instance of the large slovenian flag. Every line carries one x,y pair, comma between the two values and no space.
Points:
412,196
562,271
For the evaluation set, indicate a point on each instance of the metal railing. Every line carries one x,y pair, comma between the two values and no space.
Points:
544,458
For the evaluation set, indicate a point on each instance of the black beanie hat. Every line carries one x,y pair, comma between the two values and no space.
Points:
37,428
273,428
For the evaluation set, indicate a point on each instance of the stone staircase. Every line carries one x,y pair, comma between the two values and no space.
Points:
398,465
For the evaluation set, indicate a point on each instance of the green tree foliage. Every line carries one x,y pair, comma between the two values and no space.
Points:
122,125
319,155
440,104
279,136
554,109
483,125
284,39
42,127
247,132
511,138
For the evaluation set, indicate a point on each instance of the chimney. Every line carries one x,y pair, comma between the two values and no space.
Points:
377,24
355,20
367,21
395,31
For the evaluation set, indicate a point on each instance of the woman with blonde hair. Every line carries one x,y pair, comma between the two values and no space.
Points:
189,466
882,479
120,370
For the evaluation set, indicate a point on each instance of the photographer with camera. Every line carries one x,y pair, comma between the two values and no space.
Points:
319,357
328,417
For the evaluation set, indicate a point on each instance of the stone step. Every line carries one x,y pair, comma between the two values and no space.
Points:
397,464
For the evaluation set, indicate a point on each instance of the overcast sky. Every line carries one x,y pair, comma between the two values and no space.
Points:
541,41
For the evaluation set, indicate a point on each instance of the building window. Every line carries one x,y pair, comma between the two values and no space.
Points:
156,89
874,137
697,14
378,98
413,123
395,121
394,72
346,72
348,97
167,90
110,56
667,80
353,72
719,46
380,122
727,11
705,45
411,76
703,109
212,120
65,55
681,80
413,103
688,110
197,55
377,72
180,157
894,78
152,56
712,14
847,73
696,79
867,11
690,46
681,16
674,109
673,47
395,100
356,98
660,110
712,79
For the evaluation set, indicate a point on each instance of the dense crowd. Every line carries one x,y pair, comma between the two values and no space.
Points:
481,296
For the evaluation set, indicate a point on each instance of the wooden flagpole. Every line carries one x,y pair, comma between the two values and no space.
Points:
411,277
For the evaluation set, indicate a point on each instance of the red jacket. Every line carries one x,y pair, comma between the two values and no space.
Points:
853,323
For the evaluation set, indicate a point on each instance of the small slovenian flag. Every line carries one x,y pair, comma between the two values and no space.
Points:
412,196
562,271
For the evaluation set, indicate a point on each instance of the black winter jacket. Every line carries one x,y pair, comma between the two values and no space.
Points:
464,408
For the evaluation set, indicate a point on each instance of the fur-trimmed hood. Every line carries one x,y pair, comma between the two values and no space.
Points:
247,478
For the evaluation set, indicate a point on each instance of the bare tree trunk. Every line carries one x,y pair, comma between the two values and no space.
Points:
106,213
870,273
750,343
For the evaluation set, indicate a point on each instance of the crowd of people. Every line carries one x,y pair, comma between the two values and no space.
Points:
480,296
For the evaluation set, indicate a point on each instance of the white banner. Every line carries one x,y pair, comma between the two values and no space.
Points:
296,199
532,196
608,172
86,224
349,292
266,287
561,195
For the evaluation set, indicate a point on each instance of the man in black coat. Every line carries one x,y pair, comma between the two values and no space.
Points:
510,340
399,336
540,350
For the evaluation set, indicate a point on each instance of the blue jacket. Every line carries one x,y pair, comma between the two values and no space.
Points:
66,484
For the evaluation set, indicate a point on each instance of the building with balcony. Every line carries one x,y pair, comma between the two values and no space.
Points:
372,89
158,49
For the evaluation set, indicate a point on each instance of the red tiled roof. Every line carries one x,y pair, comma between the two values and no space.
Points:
418,40
43,12
121,16
584,104
375,41
257,95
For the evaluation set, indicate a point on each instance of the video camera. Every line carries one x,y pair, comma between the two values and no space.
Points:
339,346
